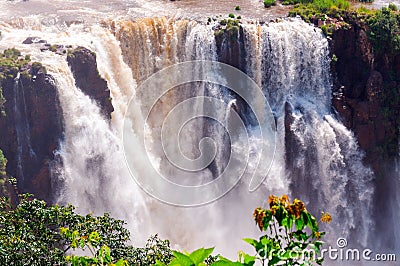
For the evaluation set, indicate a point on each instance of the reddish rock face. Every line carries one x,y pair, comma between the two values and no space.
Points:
84,67
366,93
31,130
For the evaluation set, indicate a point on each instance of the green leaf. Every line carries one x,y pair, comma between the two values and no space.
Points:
182,259
251,241
312,222
274,260
300,223
159,263
267,219
249,260
123,262
200,255
226,263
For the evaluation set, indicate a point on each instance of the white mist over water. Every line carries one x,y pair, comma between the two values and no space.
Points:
289,60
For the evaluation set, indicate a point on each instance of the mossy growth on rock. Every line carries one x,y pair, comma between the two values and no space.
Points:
13,62
228,28
383,26
3,164
3,174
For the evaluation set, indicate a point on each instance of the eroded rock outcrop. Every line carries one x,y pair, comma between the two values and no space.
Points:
32,127
84,67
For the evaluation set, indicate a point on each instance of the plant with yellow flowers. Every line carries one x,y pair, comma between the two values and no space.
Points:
292,234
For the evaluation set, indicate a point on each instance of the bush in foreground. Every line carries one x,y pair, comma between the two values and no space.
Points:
34,233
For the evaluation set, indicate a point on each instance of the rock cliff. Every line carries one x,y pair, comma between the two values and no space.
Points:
366,92
84,67
31,128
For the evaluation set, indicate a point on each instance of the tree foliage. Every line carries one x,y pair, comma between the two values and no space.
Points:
384,31
34,233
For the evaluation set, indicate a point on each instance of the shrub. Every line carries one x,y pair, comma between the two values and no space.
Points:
384,31
34,233
3,164
291,2
325,5
231,15
269,3
237,8
392,7
290,231
285,225
3,174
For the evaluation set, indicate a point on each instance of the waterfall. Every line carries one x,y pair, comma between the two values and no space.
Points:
22,128
322,162
316,159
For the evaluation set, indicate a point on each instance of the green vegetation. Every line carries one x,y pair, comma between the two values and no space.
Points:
290,230
3,174
269,3
11,63
53,48
34,233
228,28
383,25
3,164
384,30
309,10
392,7
237,8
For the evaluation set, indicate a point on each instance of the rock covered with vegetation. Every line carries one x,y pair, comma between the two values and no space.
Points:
366,76
229,41
30,108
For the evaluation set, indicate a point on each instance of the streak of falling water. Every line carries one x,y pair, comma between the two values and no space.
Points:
317,154
22,127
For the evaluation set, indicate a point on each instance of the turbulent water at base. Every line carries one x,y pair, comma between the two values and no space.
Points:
317,158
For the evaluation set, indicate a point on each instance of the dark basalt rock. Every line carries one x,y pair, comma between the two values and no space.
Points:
31,130
230,47
84,67
31,40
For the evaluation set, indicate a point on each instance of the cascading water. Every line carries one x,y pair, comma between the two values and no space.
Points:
322,161
317,158
21,126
